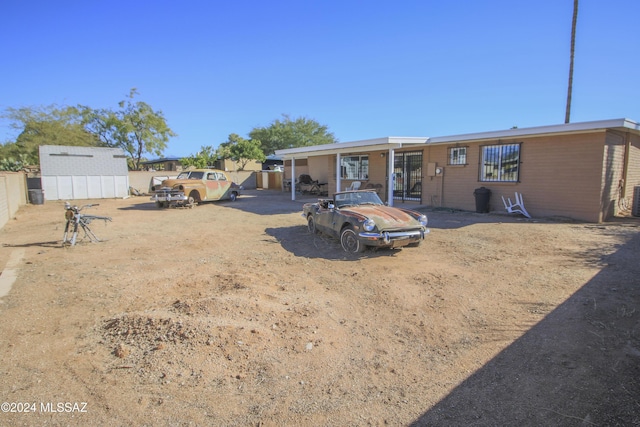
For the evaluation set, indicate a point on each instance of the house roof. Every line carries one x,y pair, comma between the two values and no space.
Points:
582,127
163,160
400,142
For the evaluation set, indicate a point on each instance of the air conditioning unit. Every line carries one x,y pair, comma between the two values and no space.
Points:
635,210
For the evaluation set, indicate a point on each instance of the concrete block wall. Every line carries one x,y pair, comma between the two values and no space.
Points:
13,194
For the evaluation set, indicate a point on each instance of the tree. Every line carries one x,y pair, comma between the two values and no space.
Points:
103,123
241,150
206,157
567,114
49,125
14,164
136,128
288,133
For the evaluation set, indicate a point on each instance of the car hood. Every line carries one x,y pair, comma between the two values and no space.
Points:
385,216
173,181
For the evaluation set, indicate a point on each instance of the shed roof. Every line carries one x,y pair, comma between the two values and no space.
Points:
63,160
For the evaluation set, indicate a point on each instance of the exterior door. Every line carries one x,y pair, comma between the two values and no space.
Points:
213,186
407,176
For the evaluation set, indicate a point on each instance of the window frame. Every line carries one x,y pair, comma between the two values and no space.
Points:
462,160
360,165
500,160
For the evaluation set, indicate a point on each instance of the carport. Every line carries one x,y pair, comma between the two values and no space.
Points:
385,146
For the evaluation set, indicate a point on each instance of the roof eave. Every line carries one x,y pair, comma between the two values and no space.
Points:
567,128
376,144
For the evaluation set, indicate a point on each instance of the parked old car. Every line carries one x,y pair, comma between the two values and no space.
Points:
360,219
195,186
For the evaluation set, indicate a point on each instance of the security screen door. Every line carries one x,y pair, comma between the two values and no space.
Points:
407,176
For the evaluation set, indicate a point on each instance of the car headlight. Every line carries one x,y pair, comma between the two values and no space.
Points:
423,220
369,225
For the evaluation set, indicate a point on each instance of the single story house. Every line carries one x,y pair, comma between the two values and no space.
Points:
585,171
232,166
169,164
272,163
174,164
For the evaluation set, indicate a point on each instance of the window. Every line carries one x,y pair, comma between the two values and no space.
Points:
355,167
458,156
500,163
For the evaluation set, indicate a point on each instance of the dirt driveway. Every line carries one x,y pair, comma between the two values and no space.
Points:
232,314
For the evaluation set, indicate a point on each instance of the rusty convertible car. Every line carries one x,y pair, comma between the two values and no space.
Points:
360,219
195,186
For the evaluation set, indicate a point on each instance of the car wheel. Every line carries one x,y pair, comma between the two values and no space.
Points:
349,241
193,199
311,225
233,196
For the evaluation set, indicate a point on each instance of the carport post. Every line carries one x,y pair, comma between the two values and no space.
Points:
338,180
391,176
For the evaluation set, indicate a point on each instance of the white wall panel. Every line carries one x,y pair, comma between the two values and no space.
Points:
94,184
122,186
80,190
108,187
64,185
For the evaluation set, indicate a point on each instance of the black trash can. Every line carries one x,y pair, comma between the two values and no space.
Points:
483,195
36,196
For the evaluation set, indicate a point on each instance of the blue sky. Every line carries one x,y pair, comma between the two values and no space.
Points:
366,69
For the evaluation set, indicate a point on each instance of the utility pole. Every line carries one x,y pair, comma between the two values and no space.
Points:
567,114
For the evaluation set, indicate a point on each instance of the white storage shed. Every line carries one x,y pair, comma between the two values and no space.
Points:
70,173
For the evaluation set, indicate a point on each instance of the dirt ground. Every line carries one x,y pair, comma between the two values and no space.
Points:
231,314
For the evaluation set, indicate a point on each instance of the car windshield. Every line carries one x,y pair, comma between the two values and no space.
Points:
357,198
190,175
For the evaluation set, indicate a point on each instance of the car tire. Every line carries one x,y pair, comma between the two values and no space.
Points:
350,242
233,196
311,225
194,199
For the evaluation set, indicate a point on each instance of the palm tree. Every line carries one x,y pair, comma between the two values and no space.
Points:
567,114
